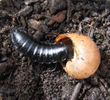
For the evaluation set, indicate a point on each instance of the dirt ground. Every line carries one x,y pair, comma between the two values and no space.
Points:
21,78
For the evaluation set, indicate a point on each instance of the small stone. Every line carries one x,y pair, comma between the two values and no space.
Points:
34,24
38,25
59,17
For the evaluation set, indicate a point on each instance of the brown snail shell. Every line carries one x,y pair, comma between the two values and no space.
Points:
86,58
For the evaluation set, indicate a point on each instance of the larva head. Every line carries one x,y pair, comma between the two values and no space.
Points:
86,59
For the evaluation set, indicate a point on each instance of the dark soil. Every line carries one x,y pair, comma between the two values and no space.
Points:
23,79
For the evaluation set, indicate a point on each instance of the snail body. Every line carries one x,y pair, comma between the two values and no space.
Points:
41,52
86,59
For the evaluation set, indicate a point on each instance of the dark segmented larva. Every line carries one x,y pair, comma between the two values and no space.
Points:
41,52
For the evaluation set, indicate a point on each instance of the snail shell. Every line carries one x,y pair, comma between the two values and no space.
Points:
86,58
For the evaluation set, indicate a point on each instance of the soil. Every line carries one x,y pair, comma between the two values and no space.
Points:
21,78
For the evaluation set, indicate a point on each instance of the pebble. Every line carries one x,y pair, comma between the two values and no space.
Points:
38,25
59,17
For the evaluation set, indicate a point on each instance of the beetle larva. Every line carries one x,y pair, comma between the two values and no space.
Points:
41,52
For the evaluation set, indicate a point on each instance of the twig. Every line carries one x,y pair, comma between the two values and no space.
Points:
69,9
76,91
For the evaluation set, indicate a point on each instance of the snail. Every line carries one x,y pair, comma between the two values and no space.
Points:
86,58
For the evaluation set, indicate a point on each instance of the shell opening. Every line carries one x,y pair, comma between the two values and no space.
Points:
68,42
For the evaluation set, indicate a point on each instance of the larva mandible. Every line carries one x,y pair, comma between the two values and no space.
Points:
41,52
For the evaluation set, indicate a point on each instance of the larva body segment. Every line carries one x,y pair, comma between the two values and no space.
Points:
41,52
